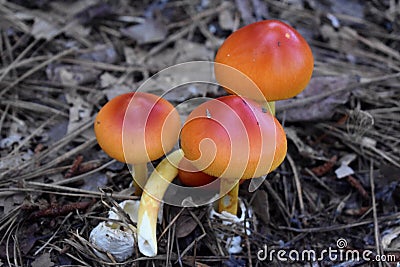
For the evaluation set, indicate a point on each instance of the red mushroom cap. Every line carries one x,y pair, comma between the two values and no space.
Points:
233,137
272,54
137,127
189,175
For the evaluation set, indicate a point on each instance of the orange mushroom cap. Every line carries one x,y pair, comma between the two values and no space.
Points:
233,137
272,54
137,127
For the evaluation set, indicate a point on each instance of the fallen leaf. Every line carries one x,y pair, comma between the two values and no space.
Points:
149,31
389,236
107,79
322,109
11,140
261,206
96,11
69,9
43,260
79,111
72,74
43,29
245,10
303,148
15,160
94,181
226,20
101,53
32,4
343,171
29,238
190,51
186,224
117,89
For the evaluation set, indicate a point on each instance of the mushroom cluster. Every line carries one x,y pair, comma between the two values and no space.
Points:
229,139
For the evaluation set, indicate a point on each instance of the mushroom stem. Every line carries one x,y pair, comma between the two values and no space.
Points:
154,191
229,202
139,177
269,107
272,107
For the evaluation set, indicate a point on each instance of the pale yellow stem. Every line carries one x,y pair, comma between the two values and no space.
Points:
154,191
269,106
139,177
229,202
272,107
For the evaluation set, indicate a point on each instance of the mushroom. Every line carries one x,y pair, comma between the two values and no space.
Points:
233,138
269,53
137,128
153,193
190,176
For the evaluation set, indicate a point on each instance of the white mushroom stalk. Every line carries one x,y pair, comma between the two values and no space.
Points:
153,192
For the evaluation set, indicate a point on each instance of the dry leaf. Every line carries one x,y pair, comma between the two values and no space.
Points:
70,9
246,11
189,51
149,31
186,224
72,74
107,79
116,90
391,238
96,11
16,160
44,29
303,148
43,260
79,111
320,109
226,20
261,206
101,53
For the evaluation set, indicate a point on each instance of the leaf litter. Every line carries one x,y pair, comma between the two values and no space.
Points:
61,61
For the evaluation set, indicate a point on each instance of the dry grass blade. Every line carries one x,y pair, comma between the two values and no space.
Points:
35,69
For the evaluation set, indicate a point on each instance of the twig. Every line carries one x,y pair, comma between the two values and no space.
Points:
35,69
53,235
321,183
20,56
357,185
84,175
297,183
325,168
339,227
374,211
75,166
197,239
275,196
60,209
314,98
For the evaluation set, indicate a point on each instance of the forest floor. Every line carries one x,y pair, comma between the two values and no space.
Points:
338,188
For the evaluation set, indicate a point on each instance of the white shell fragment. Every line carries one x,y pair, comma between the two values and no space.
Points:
233,244
343,171
112,238
118,243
